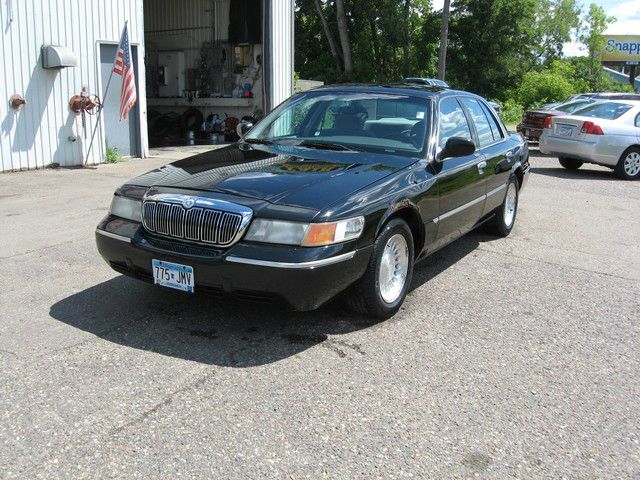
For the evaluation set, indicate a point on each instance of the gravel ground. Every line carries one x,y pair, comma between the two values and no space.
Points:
514,357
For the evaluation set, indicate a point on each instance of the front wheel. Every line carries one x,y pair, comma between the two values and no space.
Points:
383,287
628,167
505,217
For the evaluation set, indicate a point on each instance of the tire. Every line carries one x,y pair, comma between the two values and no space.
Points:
628,167
367,296
502,224
570,163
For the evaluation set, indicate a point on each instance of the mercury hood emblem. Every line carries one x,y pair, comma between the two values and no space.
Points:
188,202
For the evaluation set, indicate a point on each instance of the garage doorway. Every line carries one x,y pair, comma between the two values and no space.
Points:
123,135
204,69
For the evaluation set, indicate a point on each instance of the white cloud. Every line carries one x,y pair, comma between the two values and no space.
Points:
627,18
629,26
574,49
437,5
628,9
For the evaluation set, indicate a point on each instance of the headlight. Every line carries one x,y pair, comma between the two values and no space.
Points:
305,234
126,207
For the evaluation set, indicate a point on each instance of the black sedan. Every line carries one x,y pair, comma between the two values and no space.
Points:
339,189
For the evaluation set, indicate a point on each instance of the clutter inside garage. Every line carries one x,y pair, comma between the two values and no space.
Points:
204,69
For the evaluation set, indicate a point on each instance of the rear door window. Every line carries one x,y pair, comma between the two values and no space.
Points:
480,120
452,122
493,123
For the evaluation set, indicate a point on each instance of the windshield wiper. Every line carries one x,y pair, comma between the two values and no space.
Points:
323,145
258,141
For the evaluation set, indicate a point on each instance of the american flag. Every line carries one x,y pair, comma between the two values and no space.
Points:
124,68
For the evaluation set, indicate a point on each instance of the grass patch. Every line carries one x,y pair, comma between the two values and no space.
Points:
112,155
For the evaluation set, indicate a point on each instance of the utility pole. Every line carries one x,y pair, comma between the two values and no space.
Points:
444,34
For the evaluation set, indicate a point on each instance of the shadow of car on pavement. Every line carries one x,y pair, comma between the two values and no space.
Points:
221,331
583,173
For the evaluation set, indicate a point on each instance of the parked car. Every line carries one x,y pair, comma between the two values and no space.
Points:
549,106
338,189
605,96
605,133
533,120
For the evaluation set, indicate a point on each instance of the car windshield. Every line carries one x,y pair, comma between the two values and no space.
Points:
571,107
604,110
363,121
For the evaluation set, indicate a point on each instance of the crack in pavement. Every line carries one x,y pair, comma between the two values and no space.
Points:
38,249
163,403
556,264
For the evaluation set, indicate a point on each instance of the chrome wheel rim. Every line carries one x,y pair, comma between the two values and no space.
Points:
632,164
510,202
394,266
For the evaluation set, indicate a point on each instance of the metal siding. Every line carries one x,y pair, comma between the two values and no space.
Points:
38,135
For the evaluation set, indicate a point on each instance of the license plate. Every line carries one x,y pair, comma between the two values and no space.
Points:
565,130
173,275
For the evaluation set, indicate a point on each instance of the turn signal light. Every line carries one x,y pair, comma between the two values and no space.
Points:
320,234
591,128
547,122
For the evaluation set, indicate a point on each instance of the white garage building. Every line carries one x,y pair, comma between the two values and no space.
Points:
193,59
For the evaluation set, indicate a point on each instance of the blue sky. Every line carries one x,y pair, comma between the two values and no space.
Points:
627,13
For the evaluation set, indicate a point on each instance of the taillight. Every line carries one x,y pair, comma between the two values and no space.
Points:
591,128
547,122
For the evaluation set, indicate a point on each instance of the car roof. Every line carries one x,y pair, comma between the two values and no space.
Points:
428,91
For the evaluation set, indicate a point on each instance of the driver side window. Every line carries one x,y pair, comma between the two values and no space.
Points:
452,122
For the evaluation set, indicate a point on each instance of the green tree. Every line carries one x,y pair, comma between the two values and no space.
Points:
490,44
597,22
556,21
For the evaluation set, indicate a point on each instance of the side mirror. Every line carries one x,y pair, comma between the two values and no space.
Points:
243,128
457,147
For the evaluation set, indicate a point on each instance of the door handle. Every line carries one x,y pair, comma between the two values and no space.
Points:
481,166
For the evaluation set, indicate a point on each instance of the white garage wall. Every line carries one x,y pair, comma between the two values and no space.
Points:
38,135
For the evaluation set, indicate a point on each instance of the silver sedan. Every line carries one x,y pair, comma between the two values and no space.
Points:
605,133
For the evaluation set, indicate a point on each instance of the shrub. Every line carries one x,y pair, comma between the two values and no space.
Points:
112,155
545,86
511,112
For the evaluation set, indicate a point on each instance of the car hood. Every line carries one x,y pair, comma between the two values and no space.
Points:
294,176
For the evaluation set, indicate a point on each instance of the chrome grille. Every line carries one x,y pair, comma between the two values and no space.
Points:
208,221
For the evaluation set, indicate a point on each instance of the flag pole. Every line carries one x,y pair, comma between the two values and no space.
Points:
106,92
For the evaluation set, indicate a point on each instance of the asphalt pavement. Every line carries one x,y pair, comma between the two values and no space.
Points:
516,357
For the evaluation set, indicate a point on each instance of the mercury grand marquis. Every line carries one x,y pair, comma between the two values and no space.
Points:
341,189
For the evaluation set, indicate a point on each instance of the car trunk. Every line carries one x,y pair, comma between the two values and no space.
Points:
572,126
535,118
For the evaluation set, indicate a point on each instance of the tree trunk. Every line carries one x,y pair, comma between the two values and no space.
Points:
376,45
343,32
444,34
327,33
407,37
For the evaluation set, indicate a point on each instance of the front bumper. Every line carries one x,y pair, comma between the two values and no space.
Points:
526,172
303,278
